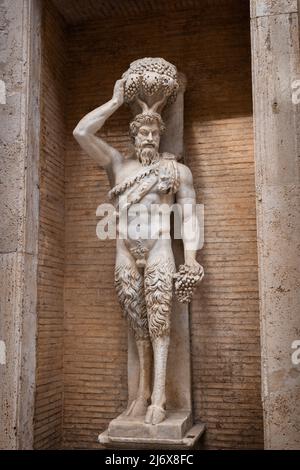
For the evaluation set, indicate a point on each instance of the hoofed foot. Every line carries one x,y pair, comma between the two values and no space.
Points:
155,414
137,408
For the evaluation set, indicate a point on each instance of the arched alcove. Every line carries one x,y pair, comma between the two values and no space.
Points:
81,343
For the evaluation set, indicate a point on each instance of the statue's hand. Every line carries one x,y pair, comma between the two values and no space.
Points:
187,279
195,267
118,94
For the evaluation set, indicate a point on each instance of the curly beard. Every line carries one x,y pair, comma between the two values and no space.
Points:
146,155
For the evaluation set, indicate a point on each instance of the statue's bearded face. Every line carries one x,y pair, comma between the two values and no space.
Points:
147,143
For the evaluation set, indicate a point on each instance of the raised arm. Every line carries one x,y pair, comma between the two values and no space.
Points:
85,131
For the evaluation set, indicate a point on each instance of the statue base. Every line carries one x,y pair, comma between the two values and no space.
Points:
176,431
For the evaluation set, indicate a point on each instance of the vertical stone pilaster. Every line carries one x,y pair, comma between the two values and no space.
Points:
275,62
19,135
178,386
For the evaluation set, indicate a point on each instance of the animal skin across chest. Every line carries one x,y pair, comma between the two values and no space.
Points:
160,177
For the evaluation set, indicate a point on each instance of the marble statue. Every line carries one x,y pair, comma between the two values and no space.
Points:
145,271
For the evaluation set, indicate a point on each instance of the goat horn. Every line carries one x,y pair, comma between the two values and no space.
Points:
156,105
143,105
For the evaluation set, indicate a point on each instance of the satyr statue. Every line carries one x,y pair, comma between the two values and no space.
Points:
145,269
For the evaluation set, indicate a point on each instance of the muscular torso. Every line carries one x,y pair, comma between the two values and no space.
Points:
146,227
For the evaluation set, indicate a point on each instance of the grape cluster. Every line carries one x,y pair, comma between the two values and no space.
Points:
149,64
186,280
151,83
150,76
132,86
171,88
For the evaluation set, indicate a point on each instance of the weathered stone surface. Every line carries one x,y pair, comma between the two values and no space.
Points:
19,65
10,303
189,441
175,432
17,327
272,7
174,427
275,67
276,121
12,139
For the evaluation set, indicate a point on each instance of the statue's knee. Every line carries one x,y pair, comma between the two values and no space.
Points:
159,320
158,293
159,276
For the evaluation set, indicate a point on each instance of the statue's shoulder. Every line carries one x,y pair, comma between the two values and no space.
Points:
168,156
184,172
182,168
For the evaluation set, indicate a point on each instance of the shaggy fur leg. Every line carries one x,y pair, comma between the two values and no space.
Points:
158,292
130,290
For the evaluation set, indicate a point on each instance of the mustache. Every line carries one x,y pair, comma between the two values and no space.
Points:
148,144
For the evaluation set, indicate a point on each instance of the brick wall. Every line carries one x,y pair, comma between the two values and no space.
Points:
49,379
214,53
212,47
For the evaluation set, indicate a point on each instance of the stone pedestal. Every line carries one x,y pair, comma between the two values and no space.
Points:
176,431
